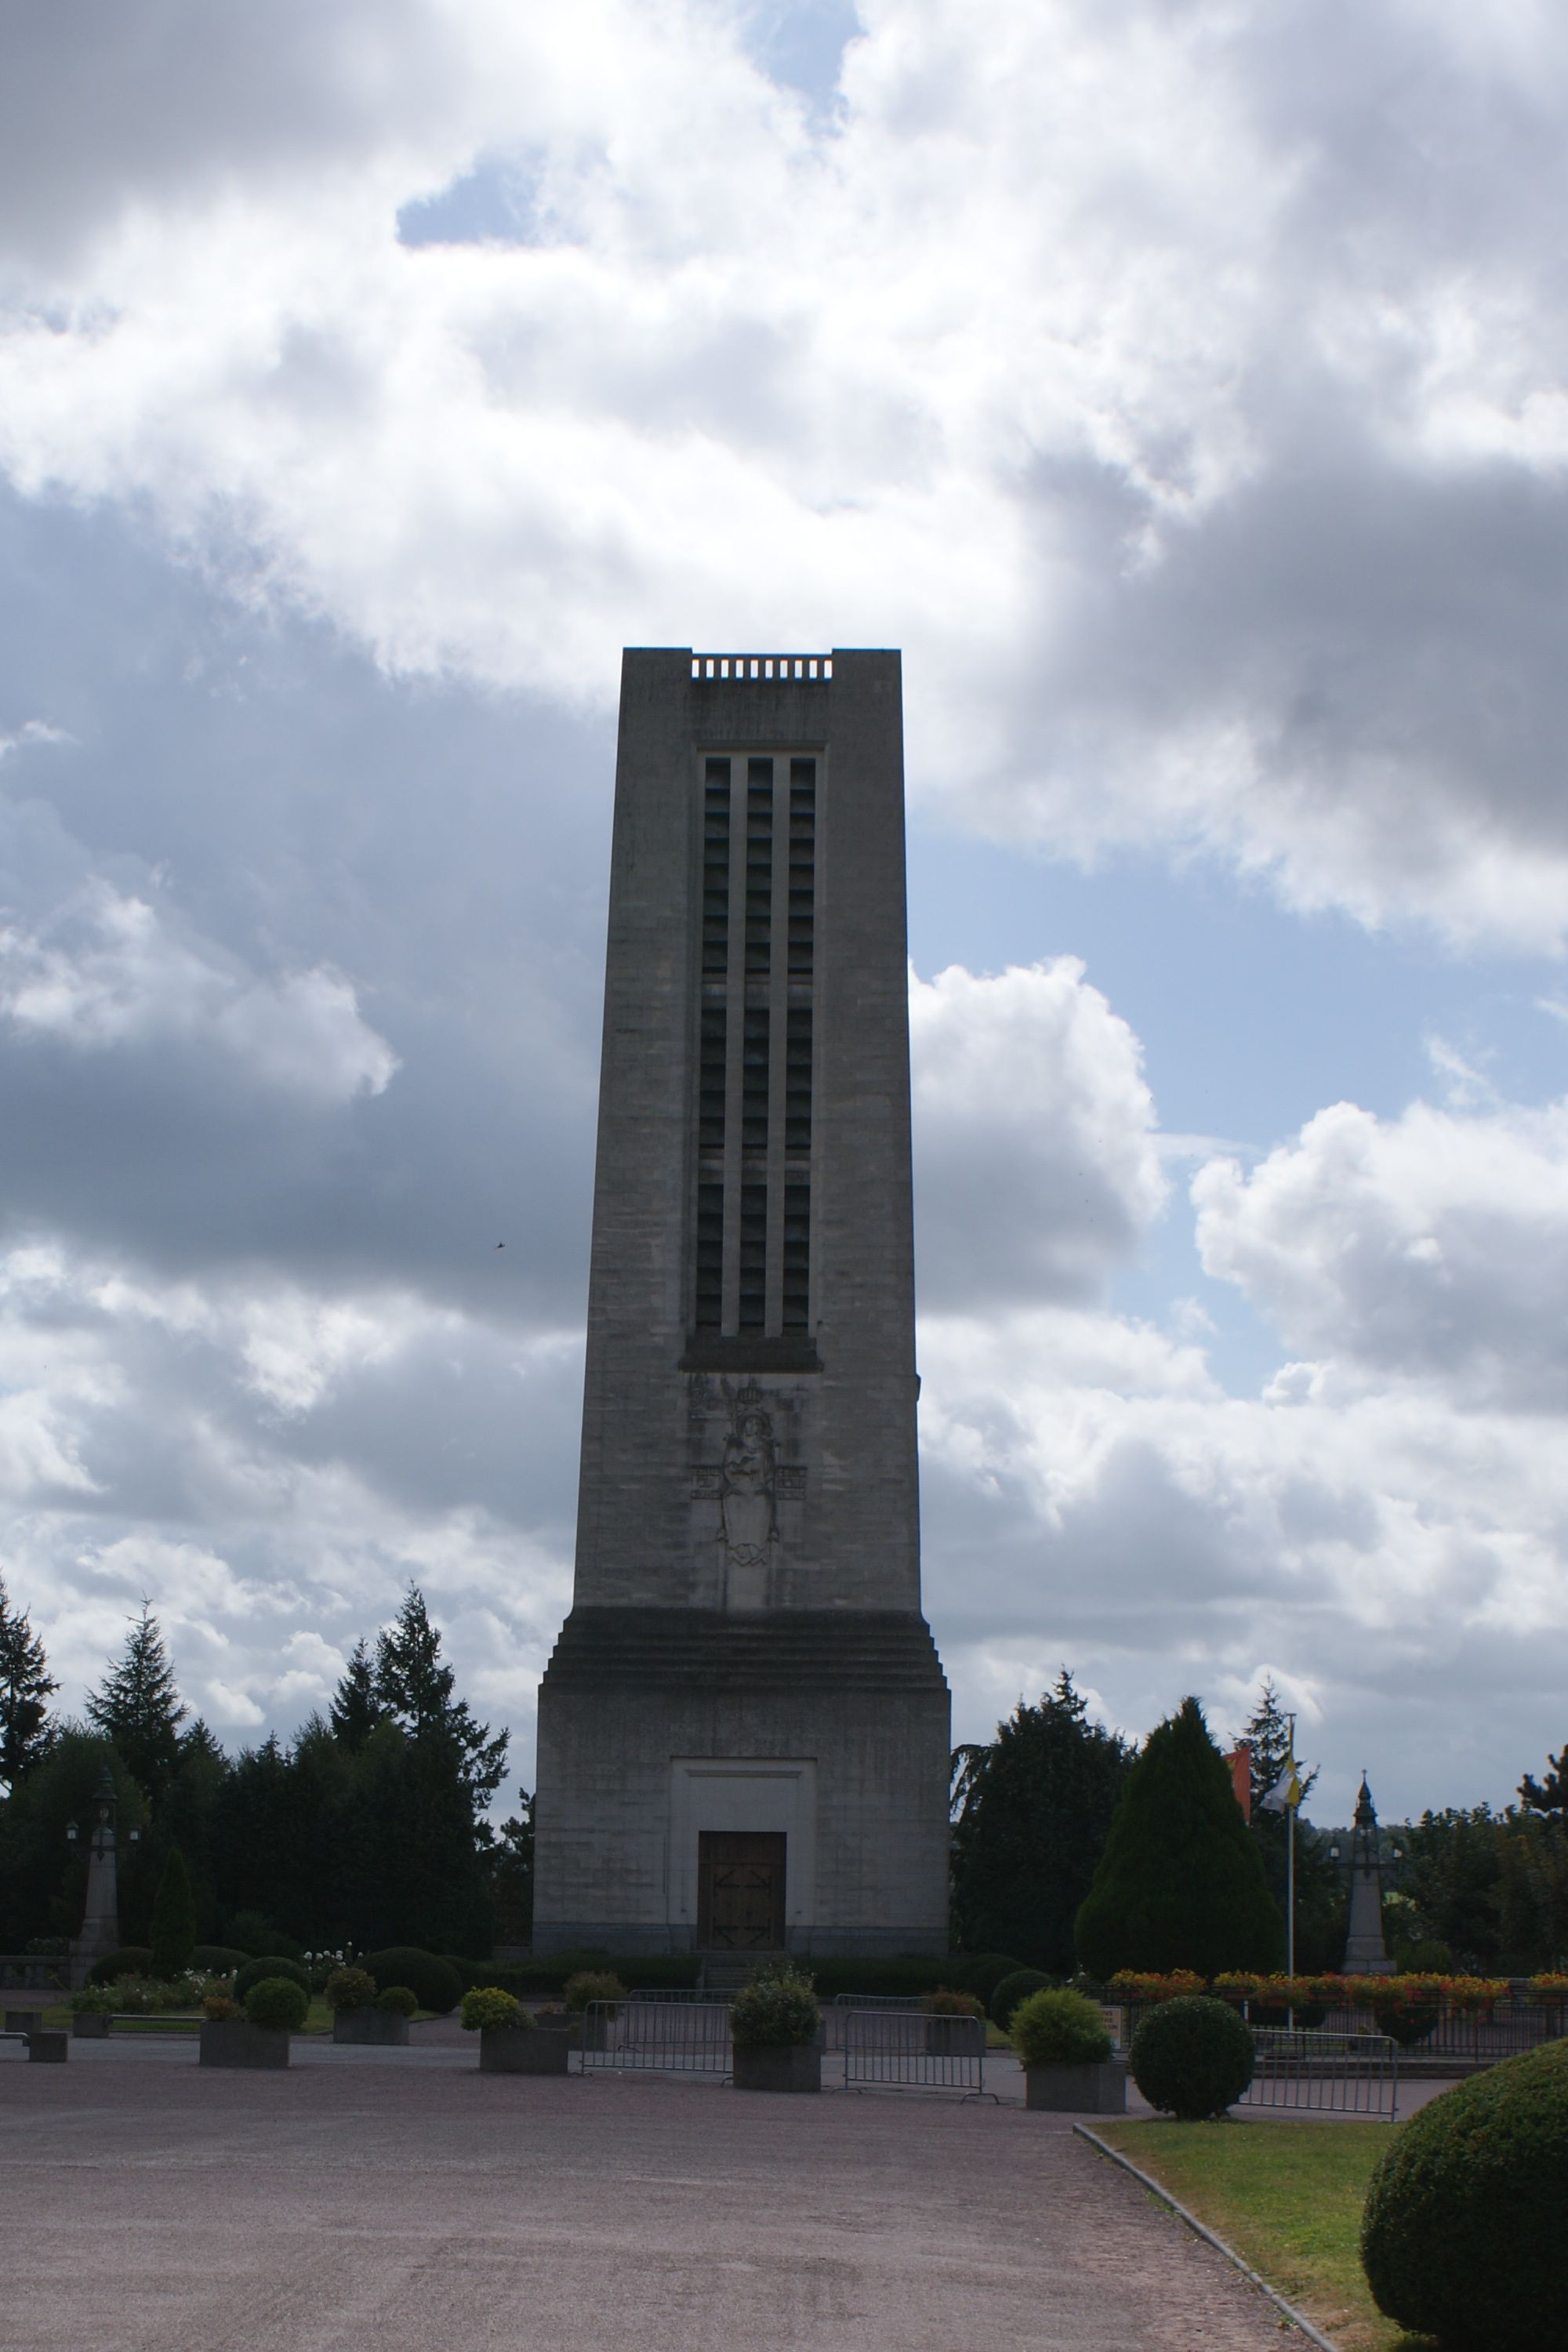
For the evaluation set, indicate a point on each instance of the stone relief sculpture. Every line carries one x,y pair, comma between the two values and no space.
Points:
747,1488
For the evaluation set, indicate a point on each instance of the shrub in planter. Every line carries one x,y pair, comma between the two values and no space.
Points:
592,1984
397,2000
1012,1990
133,1962
433,1982
93,2000
774,2026
263,1971
218,2010
982,1975
1061,2038
350,1989
279,2003
1462,2232
486,2009
1054,2027
942,2002
1192,2057
218,1959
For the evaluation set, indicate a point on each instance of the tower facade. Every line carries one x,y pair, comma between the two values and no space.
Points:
743,1728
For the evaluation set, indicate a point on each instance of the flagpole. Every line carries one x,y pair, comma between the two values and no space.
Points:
1290,1876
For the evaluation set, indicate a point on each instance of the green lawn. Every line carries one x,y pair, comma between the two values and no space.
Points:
1287,2196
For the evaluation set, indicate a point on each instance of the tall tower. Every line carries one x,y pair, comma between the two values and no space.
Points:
743,1728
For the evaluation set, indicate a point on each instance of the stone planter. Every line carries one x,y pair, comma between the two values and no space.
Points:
1078,2090
91,2025
521,2050
954,2037
797,2067
234,2041
383,2028
48,2049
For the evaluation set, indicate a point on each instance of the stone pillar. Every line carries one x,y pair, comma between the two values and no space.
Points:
100,1915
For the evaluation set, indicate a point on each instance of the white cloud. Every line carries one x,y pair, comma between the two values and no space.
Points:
1137,369
109,971
1432,1245
1037,1164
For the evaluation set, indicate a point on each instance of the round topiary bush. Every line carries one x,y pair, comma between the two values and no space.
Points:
486,2007
257,1972
397,2000
135,1960
278,2002
1056,2026
942,2002
433,1982
1012,1990
1462,2234
982,1975
218,1959
1191,2057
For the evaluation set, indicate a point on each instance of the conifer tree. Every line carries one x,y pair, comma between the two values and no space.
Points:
27,1729
139,1708
413,1687
1181,1883
1032,1811
355,1710
173,1919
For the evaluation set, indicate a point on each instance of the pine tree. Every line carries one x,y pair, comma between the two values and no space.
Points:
510,1856
139,1708
355,1710
1549,1796
413,1688
1181,1883
27,1729
173,1919
1032,1812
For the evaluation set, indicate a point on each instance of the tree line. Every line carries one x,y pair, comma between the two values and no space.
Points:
370,1827
1054,1805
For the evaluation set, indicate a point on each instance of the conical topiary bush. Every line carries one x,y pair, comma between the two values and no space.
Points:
1181,1883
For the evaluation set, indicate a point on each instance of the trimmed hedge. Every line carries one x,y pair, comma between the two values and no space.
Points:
432,1981
218,1959
1012,1990
134,1960
278,2002
905,1974
1462,2232
983,1974
397,2000
257,1972
1192,2057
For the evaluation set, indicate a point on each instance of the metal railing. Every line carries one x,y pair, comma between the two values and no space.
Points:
847,2005
888,2049
1503,2031
802,669
28,1972
1329,2073
658,2035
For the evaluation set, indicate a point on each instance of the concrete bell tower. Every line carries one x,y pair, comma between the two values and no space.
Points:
743,1728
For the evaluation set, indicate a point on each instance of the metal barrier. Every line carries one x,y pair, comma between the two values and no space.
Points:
848,2004
685,2037
890,2049
1503,2031
1331,2074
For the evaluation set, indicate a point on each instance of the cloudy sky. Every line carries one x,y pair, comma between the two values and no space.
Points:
1180,384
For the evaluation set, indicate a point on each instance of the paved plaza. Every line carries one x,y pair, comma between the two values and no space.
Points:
385,2201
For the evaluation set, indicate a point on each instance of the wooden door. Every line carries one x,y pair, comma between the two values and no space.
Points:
741,1890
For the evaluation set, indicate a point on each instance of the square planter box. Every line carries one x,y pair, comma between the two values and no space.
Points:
48,2049
382,2027
521,2050
1078,2090
234,2041
91,2026
954,2037
797,2068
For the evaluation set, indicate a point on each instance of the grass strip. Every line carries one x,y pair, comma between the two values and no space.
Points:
1288,2198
